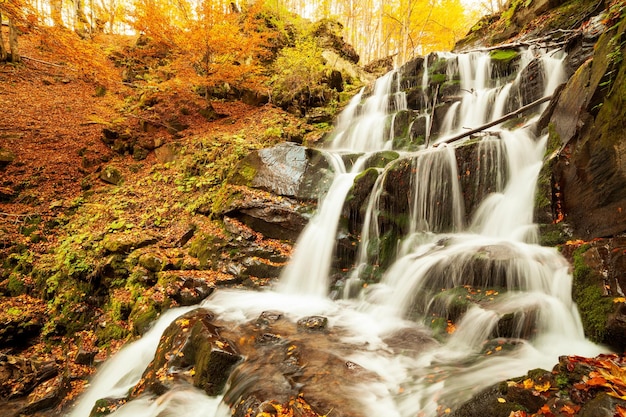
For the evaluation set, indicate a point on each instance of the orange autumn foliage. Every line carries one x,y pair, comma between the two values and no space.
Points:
209,44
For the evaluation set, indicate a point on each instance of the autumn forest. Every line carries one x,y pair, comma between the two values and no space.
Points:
210,28
313,208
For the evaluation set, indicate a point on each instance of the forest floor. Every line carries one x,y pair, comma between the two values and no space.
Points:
51,123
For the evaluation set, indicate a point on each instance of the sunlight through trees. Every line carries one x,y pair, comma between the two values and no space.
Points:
376,28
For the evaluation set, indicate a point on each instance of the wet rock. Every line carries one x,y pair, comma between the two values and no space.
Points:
191,349
47,395
238,229
269,339
269,317
355,206
313,323
603,405
588,121
482,170
497,401
599,276
260,268
106,406
282,367
409,341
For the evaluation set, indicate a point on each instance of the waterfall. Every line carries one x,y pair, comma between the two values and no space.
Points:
308,271
366,130
461,273
121,372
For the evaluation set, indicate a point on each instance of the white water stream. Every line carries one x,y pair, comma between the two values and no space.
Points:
439,255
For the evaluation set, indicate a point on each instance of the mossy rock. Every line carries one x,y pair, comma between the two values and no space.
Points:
111,175
105,406
152,261
110,332
589,294
381,159
142,316
553,234
200,349
504,61
205,247
495,401
126,242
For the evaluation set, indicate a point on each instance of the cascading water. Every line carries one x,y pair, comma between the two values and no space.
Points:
445,250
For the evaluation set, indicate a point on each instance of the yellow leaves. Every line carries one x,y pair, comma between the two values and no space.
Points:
528,383
501,400
543,387
536,387
619,300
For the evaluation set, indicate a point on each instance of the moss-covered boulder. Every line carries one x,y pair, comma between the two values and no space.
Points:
112,175
203,357
599,270
120,243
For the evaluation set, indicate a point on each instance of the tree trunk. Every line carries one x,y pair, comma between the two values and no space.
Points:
3,51
56,9
81,24
15,55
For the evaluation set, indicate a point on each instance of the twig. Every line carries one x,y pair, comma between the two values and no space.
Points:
18,215
44,62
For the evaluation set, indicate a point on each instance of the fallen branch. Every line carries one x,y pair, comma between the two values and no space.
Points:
44,62
546,41
495,122
19,215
